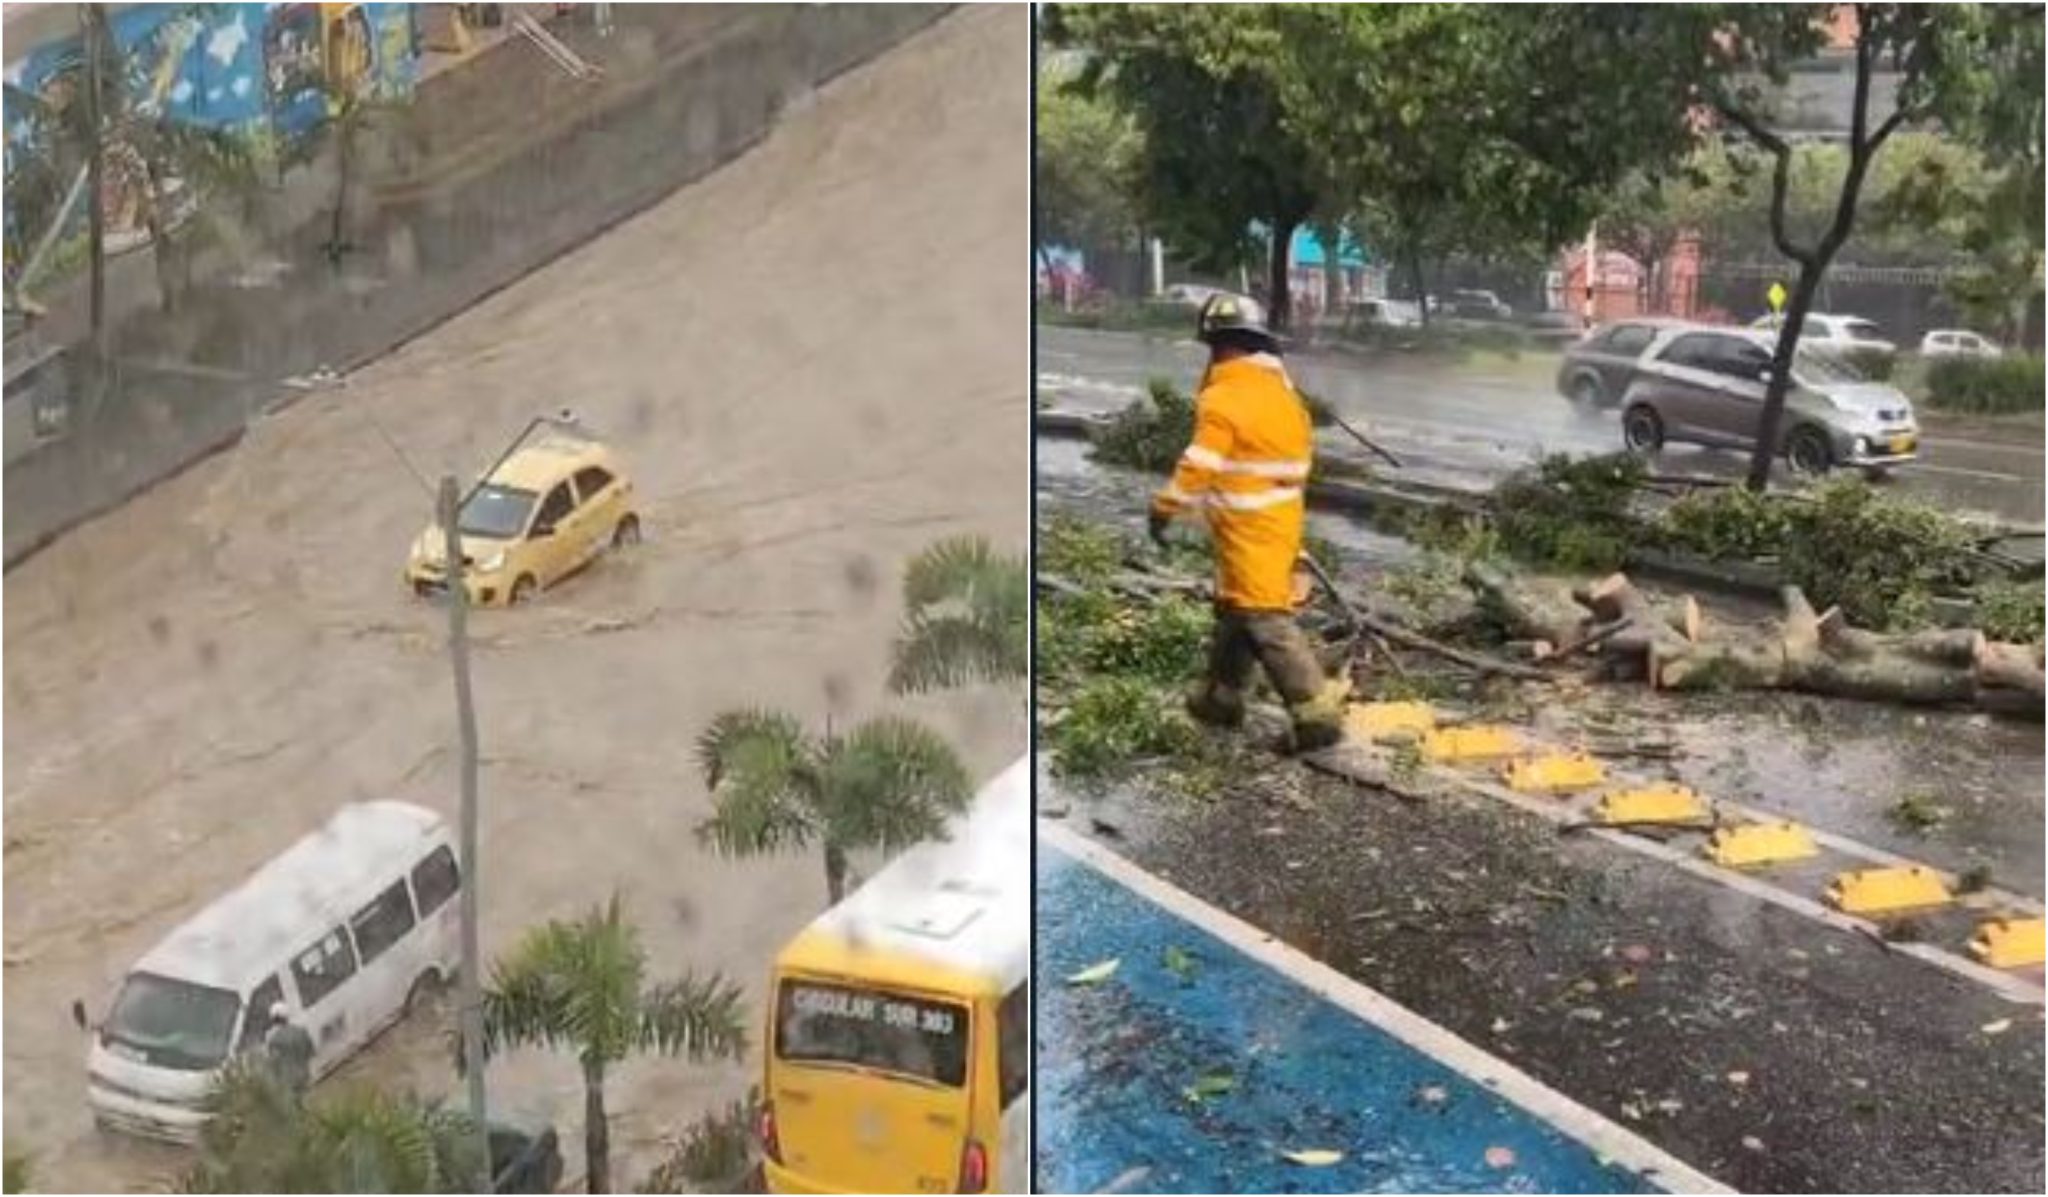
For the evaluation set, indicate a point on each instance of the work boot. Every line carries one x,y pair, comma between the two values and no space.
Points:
1217,706
1319,722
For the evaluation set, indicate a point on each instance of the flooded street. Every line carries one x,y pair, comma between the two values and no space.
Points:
198,678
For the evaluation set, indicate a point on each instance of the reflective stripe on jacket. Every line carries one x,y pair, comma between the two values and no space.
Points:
1246,469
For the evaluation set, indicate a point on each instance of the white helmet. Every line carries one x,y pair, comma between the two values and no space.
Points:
279,1012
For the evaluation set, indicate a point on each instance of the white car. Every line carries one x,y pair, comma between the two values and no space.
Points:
1386,313
1837,334
1956,342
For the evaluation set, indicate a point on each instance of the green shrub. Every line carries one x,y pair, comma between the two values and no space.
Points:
1162,642
1880,559
2012,609
1990,386
1114,722
1079,551
1151,433
1572,513
715,1154
1877,365
1730,524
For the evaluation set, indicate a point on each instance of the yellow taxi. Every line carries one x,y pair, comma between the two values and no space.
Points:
547,509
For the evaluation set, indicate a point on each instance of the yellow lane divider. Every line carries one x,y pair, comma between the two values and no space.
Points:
2009,942
1751,844
1670,805
1482,742
1378,721
1554,773
1882,891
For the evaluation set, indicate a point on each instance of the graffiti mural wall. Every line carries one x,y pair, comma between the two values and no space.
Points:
272,73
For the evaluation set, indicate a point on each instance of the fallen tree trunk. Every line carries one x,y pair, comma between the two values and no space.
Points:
1668,645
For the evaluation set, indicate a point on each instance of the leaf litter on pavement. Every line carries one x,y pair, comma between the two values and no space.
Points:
1095,974
1209,1085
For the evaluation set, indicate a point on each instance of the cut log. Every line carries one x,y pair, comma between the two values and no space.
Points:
1884,678
1725,667
1529,608
1686,620
1667,646
2015,667
1801,631
1944,646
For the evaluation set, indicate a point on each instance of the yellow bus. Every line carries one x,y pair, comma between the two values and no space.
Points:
898,1052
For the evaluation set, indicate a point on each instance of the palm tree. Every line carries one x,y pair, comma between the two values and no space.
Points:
583,986
263,1139
967,613
888,784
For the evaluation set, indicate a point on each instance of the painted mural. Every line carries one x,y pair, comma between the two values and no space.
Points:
272,72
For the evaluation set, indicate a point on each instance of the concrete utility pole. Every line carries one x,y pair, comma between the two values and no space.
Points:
96,205
1592,269
465,716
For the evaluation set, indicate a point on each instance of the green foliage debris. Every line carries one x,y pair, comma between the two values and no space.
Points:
1114,722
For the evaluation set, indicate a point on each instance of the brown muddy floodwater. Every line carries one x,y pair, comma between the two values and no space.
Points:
813,363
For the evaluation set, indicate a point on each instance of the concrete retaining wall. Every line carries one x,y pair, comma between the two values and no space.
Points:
498,167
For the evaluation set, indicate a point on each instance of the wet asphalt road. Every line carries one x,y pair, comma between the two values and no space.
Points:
1467,426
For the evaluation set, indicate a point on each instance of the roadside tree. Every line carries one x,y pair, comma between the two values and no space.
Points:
581,986
886,785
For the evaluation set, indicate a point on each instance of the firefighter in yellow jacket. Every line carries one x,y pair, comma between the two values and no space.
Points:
1246,470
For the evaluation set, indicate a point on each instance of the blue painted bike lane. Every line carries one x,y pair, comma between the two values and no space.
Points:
1196,1074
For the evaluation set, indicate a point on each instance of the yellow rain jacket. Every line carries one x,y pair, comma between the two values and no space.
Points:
1246,469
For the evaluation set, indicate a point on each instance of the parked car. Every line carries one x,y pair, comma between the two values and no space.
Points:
1832,333
1478,305
552,503
1555,328
1702,385
1597,370
1957,342
1385,313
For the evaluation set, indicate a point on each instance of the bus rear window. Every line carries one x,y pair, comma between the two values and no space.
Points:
888,1032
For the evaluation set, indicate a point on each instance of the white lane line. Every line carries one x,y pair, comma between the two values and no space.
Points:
2016,448
1602,1136
1922,467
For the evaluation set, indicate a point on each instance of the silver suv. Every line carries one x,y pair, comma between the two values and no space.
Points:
1702,385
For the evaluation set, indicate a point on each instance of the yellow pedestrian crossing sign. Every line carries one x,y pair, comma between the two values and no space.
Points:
1777,297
